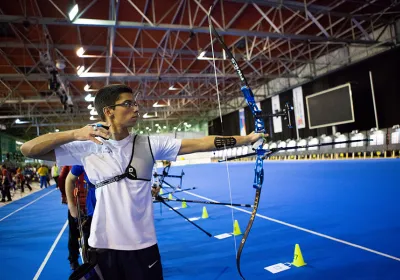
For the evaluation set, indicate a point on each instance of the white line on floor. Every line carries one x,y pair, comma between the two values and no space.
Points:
306,230
50,252
19,209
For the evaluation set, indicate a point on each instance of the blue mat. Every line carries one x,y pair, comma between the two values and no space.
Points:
356,201
27,235
353,201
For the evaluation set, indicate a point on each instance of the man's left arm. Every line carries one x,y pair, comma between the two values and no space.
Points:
212,143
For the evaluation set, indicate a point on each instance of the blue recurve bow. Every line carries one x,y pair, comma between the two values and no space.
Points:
257,146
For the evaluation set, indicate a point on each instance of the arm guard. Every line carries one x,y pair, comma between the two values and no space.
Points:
222,142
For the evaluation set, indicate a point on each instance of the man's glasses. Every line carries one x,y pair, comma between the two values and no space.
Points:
126,104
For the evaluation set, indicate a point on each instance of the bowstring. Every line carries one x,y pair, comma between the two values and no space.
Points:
225,154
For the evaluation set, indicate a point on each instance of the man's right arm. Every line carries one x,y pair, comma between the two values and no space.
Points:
42,147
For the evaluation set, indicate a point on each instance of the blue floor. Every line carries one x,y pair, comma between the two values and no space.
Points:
345,201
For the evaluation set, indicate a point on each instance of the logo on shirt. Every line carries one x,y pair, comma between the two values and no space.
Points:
106,150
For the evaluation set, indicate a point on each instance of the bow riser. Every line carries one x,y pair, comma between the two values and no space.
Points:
249,96
258,173
259,128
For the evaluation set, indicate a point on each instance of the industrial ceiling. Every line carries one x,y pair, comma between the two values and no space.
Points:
52,62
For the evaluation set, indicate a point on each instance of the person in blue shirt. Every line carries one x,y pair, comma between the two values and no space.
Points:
70,185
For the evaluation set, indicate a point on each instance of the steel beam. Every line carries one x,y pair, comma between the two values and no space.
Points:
138,77
81,124
87,114
267,18
140,98
299,6
186,28
113,15
323,30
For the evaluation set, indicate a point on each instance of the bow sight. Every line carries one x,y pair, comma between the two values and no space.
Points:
285,113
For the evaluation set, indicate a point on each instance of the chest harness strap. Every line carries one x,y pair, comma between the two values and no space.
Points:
130,172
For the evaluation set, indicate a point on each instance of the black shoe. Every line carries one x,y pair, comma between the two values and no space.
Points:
74,265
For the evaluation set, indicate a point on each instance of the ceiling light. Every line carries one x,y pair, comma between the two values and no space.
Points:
57,130
80,69
201,55
173,88
90,107
141,132
19,142
89,98
147,115
161,103
87,88
73,12
18,121
80,52
93,112
94,75
92,118
165,127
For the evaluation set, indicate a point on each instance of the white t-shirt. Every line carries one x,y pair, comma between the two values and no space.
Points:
123,216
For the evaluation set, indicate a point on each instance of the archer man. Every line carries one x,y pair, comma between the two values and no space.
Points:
119,164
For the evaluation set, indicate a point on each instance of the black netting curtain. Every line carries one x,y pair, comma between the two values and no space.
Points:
229,127
387,98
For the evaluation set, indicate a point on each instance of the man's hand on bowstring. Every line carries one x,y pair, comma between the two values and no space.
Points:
90,131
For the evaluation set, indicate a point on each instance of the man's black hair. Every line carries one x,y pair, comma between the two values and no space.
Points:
107,96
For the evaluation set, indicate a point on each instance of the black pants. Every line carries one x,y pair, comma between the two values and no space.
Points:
5,192
142,264
23,183
56,180
73,243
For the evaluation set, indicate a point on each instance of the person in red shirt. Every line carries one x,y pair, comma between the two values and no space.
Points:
5,184
20,180
61,183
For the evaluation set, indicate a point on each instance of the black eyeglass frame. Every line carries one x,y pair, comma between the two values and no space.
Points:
125,104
